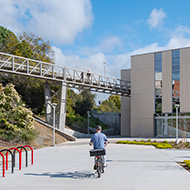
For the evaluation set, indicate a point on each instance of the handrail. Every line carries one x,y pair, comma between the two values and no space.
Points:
12,156
20,160
3,163
22,147
32,153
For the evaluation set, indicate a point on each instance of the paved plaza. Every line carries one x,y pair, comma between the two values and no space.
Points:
131,167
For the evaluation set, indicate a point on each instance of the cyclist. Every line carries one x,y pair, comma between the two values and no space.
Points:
99,141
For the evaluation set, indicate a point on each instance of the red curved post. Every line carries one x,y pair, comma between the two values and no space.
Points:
32,153
3,163
12,157
20,156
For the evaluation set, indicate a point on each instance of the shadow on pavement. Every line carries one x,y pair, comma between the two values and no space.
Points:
139,161
73,175
181,156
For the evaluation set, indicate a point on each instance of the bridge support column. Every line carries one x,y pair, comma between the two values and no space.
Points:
62,109
48,108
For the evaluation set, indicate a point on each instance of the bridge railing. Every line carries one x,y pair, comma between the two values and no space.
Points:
25,66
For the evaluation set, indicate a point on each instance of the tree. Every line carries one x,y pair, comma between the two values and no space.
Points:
27,45
8,41
113,104
116,100
71,101
23,49
85,102
41,49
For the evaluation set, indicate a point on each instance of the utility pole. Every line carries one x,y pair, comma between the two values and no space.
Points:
104,68
88,112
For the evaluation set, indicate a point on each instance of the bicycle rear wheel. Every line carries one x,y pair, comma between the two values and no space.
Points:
102,169
99,172
99,164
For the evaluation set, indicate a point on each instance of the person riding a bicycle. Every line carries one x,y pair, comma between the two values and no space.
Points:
99,141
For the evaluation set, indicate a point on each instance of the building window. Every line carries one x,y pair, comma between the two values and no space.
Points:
158,82
175,78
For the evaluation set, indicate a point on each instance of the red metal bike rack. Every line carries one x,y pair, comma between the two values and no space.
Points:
32,153
12,157
20,156
3,163
21,148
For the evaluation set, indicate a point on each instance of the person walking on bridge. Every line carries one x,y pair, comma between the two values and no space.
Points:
99,141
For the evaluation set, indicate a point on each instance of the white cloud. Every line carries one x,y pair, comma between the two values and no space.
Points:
94,59
107,45
59,20
94,63
156,18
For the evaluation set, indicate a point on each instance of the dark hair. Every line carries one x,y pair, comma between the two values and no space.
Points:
98,127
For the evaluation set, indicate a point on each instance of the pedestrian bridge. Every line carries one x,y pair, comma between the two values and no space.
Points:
74,77
65,77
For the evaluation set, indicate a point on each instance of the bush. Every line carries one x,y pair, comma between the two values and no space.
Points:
163,145
187,162
157,145
16,121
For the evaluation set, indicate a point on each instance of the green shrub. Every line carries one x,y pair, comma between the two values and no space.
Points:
163,145
69,120
148,143
16,121
154,143
157,145
140,143
149,140
187,162
165,141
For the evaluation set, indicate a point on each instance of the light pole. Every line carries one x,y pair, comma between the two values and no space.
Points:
176,107
88,112
53,105
104,68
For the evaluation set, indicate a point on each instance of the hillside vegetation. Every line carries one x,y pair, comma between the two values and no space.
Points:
16,120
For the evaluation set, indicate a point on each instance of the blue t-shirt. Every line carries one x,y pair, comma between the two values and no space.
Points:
98,140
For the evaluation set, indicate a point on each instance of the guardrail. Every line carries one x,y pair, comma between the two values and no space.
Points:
13,156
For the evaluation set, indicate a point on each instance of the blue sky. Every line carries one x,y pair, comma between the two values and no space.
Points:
87,33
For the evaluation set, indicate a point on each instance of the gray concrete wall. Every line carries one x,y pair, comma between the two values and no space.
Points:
111,119
126,107
185,80
142,95
166,81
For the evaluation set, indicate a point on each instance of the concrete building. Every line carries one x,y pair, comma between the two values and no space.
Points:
159,82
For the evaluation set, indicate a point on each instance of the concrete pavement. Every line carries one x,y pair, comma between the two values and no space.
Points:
131,167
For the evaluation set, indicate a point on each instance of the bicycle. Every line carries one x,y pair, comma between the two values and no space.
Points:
99,165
